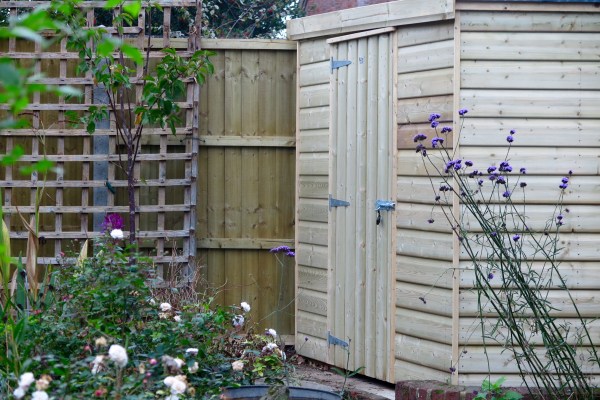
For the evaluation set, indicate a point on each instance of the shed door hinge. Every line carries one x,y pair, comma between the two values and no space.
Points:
332,340
335,64
337,203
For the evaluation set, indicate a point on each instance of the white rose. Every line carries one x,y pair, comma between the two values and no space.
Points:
237,365
180,363
272,332
177,318
97,364
118,355
19,393
26,380
194,368
192,351
116,234
245,306
164,307
39,395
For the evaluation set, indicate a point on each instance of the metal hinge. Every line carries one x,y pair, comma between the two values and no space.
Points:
335,64
332,340
337,203
385,205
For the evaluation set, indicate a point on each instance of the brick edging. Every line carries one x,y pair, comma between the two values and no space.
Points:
435,390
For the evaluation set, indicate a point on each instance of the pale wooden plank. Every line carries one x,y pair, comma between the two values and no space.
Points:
243,243
215,100
312,278
313,164
314,348
312,302
586,301
410,371
370,17
314,96
530,46
313,210
360,35
529,21
417,216
315,187
437,300
418,110
311,232
532,103
426,33
247,44
424,271
248,141
313,141
471,331
314,118
406,133
434,245
313,51
424,57
314,74
527,6
312,255
530,75
421,325
266,92
437,82
484,132
423,352
310,324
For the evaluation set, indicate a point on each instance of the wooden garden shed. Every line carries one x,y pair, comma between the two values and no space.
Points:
368,79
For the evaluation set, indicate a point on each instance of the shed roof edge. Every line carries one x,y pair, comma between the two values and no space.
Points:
400,12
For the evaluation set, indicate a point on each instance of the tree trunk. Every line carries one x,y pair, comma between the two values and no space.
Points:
131,188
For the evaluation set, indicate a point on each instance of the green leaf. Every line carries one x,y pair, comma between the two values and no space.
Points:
511,395
133,8
9,74
68,91
105,47
27,34
91,127
132,52
42,166
20,104
112,4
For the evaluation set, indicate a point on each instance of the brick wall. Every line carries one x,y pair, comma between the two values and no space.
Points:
322,6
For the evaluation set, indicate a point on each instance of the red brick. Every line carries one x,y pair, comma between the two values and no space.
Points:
402,391
421,393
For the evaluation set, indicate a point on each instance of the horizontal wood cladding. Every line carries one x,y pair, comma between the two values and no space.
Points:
312,301
529,21
434,245
312,278
538,75
423,271
312,232
425,33
418,217
313,256
423,352
310,324
313,141
530,46
437,82
563,133
314,74
437,300
422,325
411,371
532,103
417,110
471,335
425,57
313,51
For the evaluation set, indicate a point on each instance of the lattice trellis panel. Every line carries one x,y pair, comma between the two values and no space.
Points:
88,183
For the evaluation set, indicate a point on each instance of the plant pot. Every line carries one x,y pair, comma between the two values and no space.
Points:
296,393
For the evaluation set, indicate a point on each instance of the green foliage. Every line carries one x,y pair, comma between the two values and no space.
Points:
494,391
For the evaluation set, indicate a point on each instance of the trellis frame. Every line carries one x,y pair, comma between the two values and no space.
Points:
181,148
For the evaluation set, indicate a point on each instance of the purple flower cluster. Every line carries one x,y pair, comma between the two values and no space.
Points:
462,111
283,249
453,164
436,141
446,129
112,221
564,183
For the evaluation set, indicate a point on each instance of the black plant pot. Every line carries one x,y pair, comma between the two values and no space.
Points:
295,393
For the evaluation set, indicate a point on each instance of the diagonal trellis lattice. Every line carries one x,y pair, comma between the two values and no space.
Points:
87,182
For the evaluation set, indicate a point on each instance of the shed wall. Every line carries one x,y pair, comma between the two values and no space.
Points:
424,306
312,199
537,73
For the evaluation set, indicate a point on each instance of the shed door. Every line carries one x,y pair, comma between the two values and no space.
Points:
362,172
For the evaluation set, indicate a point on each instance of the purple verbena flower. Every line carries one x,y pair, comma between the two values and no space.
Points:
423,300
435,141
462,111
491,169
419,148
523,184
565,180
501,181
280,249
437,198
563,186
434,116
506,194
570,172
505,167
434,124
510,139
523,170
290,254
446,129
516,237
490,276
559,217
419,137
512,131
493,177
480,182
469,163
431,220
493,234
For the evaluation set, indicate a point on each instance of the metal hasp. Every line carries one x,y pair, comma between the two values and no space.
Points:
385,205
335,64
332,340
337,203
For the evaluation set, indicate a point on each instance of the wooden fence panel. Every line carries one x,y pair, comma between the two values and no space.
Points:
246,177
